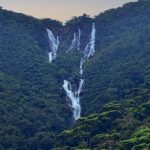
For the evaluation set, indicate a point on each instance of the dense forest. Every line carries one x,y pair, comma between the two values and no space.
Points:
115,101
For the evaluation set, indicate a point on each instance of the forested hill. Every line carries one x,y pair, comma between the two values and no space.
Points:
115,104
32,107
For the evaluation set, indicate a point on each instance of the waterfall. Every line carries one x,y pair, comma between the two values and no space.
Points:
81,66
74,97
90,48
75,44
50,54
54,44
80,86
89,51
79,38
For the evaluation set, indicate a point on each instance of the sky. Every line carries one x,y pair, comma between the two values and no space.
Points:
61,9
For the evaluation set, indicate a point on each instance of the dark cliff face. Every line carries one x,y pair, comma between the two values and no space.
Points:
66,32
33,102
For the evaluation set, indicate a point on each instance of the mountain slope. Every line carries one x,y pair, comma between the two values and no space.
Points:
119,125
30,102
118,74
122,55
33,104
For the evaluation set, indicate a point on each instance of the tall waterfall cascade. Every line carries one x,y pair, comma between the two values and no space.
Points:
74,93
90,48
74,97
88,52
54,44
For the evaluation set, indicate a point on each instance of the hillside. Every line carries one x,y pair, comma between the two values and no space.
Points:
122,59
119,125
31,105
34,107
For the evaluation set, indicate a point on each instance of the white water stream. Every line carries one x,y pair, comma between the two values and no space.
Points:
75,44
54,44
74,97
81,66
88,52
90,48
74,94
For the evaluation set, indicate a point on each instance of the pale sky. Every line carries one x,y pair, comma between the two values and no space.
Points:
61,9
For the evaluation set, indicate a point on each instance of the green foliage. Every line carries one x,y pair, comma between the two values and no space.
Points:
116,97
139,139
114,127
32,107
121,62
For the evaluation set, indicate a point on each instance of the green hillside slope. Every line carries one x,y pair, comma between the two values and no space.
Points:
31,105
122,56
118,126
34,111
